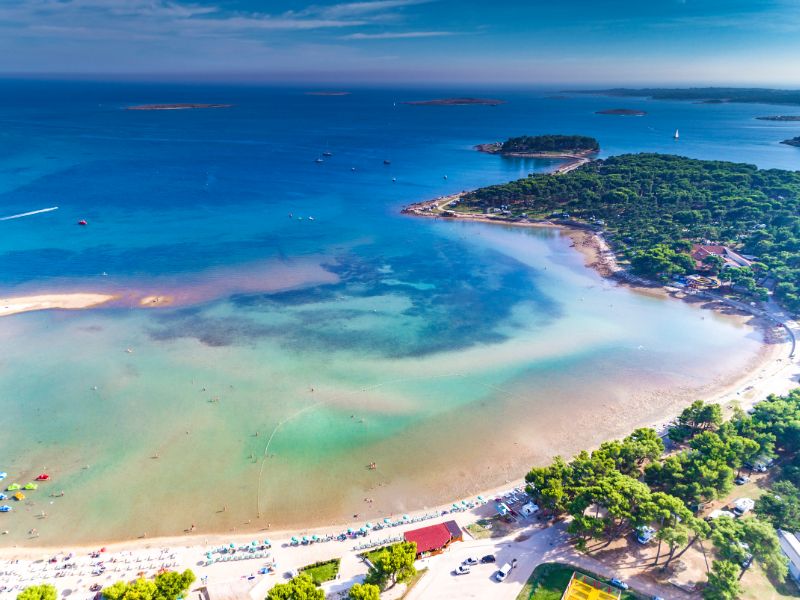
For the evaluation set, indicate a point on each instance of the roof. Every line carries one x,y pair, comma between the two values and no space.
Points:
433,537
790,546
583,587
454,529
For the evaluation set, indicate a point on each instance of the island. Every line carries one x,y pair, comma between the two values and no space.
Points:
664,217
795,141
706,95
323,93
625,112
780,118
456,102
180,106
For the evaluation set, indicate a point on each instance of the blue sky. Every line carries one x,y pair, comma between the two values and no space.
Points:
425,41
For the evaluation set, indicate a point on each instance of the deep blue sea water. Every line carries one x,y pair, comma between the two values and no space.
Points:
400,325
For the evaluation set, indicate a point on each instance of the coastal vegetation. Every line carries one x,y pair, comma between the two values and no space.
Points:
365,591
654,206
44,591
169,585
392,565
795,141
629,484
321,572
300,588
708,94
547,143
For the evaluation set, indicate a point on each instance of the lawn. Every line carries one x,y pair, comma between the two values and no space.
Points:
324,571
757,586
549,580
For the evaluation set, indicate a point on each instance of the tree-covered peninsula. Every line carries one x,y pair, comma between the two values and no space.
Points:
543,144
654,207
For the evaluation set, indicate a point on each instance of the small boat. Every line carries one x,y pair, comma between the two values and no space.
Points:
326,153
5,508
387,162
319,160
677,135
310,218
445,176
3,475
394,179
14,487
31,486
44,476
19,496
82,222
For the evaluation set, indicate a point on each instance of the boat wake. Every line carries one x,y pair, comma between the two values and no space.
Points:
28,214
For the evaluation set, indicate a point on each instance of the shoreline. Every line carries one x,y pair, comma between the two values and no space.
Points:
69,301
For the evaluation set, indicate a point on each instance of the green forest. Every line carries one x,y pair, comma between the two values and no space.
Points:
654,206
550,143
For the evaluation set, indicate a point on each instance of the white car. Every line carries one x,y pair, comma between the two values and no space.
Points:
461,570
503,572
470,561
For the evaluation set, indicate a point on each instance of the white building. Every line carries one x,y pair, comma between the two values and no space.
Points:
791,548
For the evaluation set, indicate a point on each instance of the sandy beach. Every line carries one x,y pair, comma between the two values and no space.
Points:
73,301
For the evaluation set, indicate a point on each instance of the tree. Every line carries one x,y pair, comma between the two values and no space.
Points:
723,583
44,591
365,591
393,565
171,585
694,419
140,589
299,588
743,540
548,485
781,506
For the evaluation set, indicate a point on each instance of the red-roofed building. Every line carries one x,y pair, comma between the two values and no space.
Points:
434,539
730,258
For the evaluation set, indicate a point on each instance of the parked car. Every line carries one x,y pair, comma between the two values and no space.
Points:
619,583
514,562
716,514
645,534
503,572
489,558
470,561
743,506
461,570
741,480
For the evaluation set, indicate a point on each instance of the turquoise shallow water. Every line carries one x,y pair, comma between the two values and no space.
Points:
299,351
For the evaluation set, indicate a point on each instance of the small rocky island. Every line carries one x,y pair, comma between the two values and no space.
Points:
180,106
457,102
544,146
780,118
795,141
624,112
324,93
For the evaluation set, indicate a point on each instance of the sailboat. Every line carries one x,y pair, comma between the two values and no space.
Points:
677,135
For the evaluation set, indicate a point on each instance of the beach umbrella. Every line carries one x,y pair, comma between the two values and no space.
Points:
368,525
363,530
481,498
387,520
405,517
455,505
315,537
305,538
267,542
294,539
254,543
208,554
233,545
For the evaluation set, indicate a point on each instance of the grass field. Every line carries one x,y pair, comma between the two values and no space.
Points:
323,571
549,580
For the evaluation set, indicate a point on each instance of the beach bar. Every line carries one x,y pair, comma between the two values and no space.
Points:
434,539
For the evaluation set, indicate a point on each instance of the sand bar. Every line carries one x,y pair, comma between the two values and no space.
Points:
21,304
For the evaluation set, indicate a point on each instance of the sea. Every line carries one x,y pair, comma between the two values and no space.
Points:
304,330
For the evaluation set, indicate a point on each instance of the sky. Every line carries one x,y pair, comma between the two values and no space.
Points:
610,42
